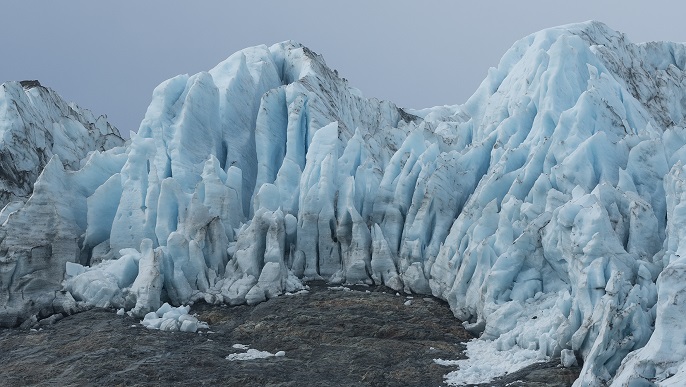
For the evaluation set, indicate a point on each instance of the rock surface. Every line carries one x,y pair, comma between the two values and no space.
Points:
330,338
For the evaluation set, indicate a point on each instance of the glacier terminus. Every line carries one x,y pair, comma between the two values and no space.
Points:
546,210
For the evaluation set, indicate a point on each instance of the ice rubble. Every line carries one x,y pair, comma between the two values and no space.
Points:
35,124
485,363
168,318
546,210
251,353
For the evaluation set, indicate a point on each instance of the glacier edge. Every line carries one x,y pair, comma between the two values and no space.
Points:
546,209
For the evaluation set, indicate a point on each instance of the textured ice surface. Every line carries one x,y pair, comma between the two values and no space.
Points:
169,318
546,210
37,124
486,362
251,354
65,150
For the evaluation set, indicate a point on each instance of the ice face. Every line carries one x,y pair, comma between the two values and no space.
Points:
543,210
35,124
53,156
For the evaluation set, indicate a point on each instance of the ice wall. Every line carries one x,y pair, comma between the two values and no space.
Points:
41,134
35,124
545,210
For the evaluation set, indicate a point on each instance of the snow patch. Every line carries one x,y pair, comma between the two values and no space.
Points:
251,354
485,362
340,288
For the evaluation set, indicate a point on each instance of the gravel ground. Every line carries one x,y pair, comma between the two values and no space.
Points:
365,337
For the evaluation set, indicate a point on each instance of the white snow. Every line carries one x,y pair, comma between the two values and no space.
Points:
299,292
340,288
251,354
485,362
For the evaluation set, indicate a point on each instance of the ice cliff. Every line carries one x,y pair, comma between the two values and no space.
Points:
547,210
41,134
35,124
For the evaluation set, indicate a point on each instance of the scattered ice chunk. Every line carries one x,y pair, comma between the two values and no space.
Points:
485,362
568,358
73,269
189,326
164,309
443,362
169,324
299,292
168,318
253,354
341,288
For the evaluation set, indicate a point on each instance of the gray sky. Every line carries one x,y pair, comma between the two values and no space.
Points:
109,56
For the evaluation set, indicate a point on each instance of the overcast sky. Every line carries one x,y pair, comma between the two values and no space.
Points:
109,56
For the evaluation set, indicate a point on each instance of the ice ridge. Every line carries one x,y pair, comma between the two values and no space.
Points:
46,145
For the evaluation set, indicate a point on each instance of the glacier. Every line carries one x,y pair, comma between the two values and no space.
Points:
48,153
36,124
546,210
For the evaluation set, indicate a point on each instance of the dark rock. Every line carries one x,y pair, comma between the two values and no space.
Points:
30,84
331,338
550,374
